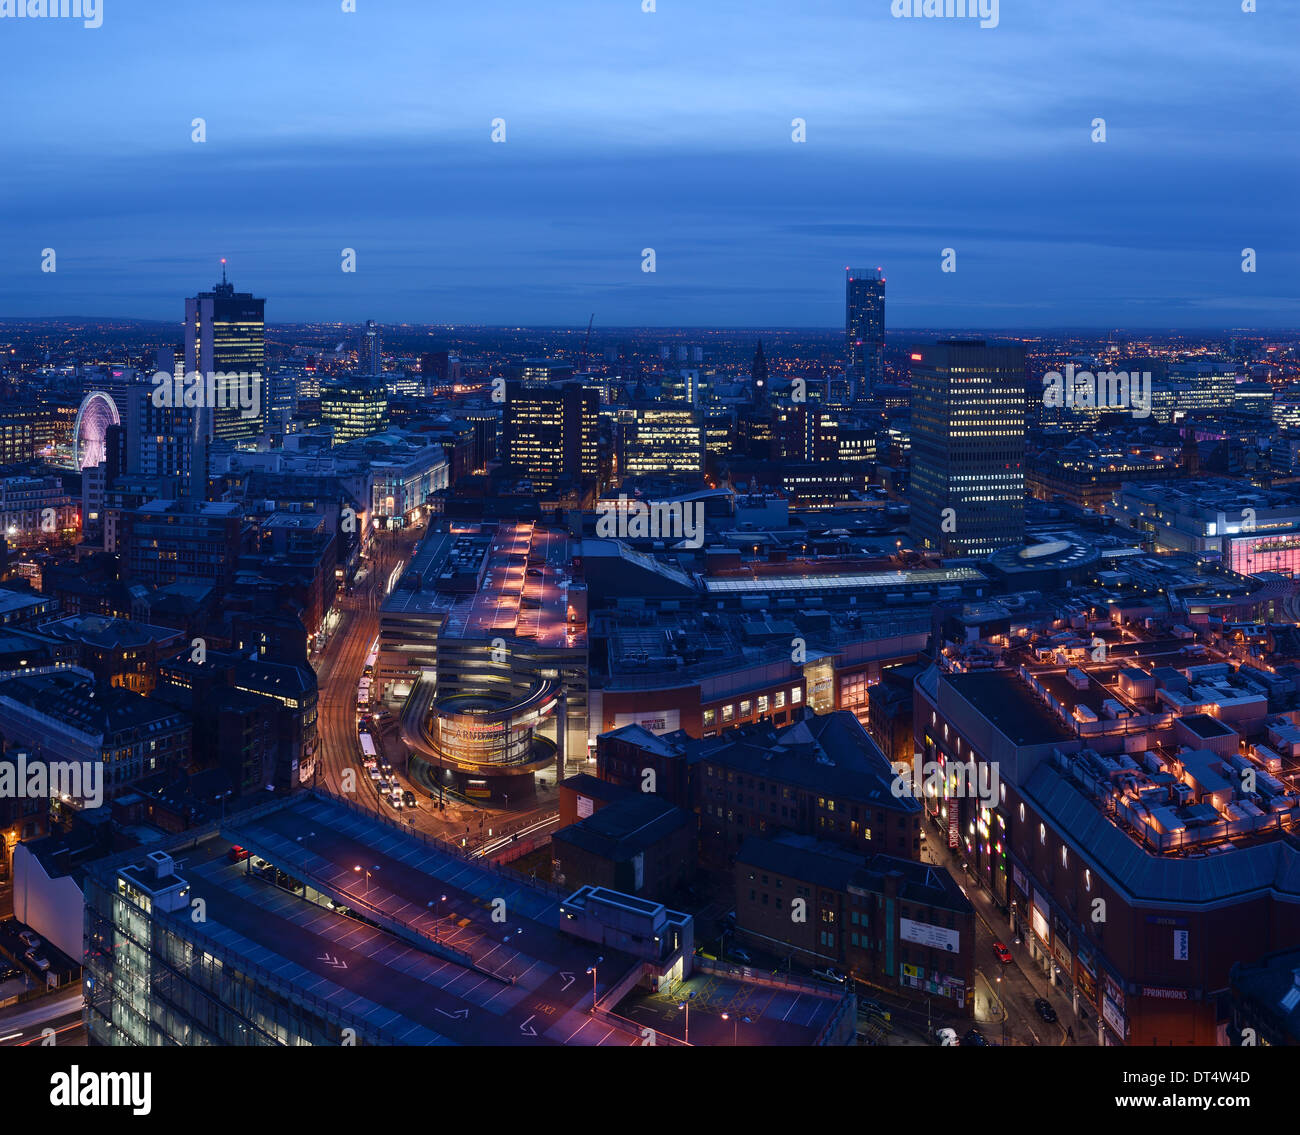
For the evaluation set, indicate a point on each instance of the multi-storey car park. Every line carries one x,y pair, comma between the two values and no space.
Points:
483,643
306,921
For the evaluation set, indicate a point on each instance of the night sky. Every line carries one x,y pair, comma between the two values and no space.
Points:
669,130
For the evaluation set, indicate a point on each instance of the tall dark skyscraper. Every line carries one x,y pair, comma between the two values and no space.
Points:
758,374
225,332
864,328
370,354
968,447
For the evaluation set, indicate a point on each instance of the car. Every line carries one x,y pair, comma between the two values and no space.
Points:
830,975
386,765
974,1039
41,964
375,774
1044,1009
384,787
29,937
1003,954
408,798
238,854
945,1037
867,1005
394,802
741,956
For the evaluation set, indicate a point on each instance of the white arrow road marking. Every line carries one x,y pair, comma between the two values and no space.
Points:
462,1014
526,1029
569,979
330,960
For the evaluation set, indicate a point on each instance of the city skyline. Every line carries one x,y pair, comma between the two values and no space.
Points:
625,523
619,138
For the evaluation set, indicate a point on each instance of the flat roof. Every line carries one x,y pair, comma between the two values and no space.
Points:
521,590
772,1012
1010,706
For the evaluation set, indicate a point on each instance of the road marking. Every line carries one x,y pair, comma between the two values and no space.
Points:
459,1014
526,1029
333,962
569,979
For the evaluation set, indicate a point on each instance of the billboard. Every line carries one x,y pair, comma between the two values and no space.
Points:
923,934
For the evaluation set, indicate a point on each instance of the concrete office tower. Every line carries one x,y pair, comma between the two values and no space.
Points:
864,329
550,433
967,490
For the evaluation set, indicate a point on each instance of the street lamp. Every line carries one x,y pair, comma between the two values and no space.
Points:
687,1006
438,917
359,869
591,969
735,1027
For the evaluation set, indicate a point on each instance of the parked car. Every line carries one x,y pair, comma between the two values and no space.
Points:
830,975
739,955
945,1037
29,937
41,964
1044,1009
238,854
1003,954
875,1008
974,1039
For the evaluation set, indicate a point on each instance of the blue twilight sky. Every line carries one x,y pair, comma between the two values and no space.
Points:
668,130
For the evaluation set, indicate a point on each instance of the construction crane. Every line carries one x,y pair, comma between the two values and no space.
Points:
587,344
